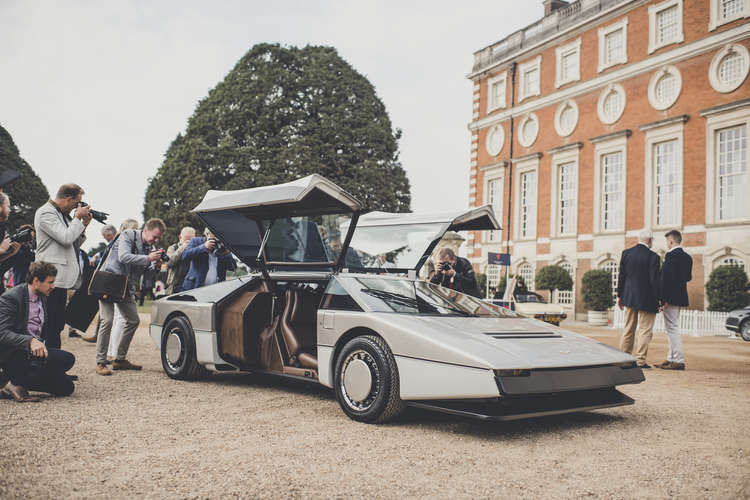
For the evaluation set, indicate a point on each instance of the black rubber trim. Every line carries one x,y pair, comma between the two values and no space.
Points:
569,379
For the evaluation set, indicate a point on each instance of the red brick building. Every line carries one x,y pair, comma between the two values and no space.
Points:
607,117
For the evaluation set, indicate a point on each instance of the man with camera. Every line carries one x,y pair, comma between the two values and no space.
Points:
58,238
24,315
455,273
129,256
178,268
209,261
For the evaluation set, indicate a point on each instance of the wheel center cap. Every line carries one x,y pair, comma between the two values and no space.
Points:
174,348
357,380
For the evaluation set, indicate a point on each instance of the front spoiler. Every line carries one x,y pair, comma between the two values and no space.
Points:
520,407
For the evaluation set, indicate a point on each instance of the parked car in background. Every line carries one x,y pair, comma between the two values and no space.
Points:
739,321
533,305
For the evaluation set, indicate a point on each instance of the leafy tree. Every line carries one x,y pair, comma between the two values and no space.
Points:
95,250
481,283
596,290
27,193
553,278
727,289
280,114
520,284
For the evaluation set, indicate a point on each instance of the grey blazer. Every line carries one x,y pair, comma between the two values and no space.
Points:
54,244
122,258
14,320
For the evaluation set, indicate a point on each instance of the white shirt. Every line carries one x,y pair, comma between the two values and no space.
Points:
674,248
213,266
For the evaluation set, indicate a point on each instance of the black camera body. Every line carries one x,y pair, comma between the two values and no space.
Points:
164,257
22,237
99,216
445,266
220,247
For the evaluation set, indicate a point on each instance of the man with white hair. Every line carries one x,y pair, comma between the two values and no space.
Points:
638,293
177,267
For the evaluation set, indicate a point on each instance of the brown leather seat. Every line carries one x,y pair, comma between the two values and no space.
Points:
298,328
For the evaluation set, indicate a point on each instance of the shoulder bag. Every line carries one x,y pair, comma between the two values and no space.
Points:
106,286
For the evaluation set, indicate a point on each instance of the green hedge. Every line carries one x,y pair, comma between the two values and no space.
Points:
727,289
596,290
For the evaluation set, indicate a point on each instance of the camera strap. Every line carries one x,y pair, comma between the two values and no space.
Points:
66,218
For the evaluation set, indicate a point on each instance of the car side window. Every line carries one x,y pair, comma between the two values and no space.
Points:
336,297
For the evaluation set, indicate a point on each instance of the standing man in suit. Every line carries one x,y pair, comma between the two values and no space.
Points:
638,293
676,272
23,326
207,265
58,239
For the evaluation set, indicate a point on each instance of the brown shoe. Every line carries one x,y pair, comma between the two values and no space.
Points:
662,364
673,366
19,394
91,339
124,364
102,369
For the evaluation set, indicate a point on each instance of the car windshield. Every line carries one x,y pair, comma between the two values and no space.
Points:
529,297
421,297
394,246
306,239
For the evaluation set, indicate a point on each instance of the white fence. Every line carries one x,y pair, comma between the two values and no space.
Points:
692,322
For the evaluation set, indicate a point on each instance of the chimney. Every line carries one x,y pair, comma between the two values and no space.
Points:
552,5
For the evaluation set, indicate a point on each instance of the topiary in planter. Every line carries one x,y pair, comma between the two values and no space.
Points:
596,290
727,289
553,278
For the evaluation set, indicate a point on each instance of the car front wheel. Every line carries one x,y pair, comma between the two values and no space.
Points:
366,380
178,350
745,330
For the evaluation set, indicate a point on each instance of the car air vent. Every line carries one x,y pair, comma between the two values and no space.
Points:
521,334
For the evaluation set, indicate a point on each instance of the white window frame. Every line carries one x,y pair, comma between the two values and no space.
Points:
713,70
653,11
603,117
558,159
531,165
573,48
523,68
502,79
714,19
529,283
498,175
714,124
614,272
566,293
487,146
622,24
561,131
616,145
652,99
672,132
522,139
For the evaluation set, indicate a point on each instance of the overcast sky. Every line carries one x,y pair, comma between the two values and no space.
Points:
93,92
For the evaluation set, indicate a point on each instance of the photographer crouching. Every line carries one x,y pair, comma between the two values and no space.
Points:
209,261
129,256
455,273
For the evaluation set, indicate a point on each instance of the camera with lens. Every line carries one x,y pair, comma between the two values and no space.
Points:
23,236
164,257
220,247
99,216
445,266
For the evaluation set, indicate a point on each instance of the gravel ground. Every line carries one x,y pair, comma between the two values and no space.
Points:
141,434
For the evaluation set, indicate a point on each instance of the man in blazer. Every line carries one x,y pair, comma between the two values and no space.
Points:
207,266
23,326
58,239
638,293
129,256
676,272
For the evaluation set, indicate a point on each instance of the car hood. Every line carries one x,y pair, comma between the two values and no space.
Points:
498,343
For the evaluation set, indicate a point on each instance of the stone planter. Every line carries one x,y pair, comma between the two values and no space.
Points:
598,318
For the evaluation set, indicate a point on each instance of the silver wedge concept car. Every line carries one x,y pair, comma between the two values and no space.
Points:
337,300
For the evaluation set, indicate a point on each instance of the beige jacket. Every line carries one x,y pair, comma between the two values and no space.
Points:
54,244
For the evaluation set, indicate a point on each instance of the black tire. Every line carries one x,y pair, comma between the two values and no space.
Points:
745,330
383,402
184,366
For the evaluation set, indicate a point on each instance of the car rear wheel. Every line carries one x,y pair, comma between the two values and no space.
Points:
178,350
366,380
745,330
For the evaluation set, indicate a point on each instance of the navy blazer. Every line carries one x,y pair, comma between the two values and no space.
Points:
197,254
14,321
638,283
676,272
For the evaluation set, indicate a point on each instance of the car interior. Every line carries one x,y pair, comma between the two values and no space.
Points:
272,330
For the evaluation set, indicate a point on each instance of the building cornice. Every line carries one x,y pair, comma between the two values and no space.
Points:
663,123
531,156
566,147
491,166
628,71
723,108
614,135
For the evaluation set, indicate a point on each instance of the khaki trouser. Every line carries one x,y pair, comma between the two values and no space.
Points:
672,325
129,312
644,321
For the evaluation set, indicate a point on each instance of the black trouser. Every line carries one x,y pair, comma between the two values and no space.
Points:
56,303
144,293
38,374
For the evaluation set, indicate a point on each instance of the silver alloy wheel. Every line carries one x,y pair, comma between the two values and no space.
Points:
174,350
745,330
360,380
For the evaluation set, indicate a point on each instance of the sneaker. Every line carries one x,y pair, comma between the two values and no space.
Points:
124,364
662,364
102,369
673,366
